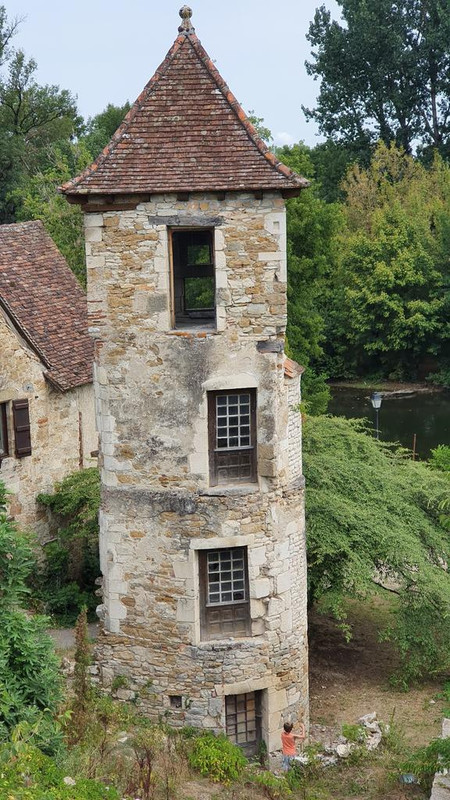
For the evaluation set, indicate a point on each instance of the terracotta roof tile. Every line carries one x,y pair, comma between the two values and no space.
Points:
292,369
43,298
186,132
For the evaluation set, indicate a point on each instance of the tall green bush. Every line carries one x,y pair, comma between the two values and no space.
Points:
29,678
65,582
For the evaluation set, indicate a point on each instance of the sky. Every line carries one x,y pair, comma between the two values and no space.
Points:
105,51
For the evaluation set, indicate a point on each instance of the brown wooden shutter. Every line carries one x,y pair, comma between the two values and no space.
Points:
21,418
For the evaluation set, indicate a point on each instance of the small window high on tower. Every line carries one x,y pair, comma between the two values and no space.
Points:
193,288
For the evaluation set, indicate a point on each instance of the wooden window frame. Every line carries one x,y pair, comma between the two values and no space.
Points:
243,720
223,620
4,451
179,323
218,456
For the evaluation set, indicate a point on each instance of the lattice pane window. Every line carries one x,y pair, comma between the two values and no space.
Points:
226,576
232,437
233,421
224,593
242,715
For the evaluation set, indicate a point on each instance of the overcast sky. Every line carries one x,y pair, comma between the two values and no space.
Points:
105,51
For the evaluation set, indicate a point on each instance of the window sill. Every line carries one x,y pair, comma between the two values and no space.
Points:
237,490
197,330
231,643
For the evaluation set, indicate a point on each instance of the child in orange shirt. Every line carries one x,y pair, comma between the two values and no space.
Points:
288,743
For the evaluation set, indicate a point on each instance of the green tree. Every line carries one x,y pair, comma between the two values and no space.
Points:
101,128
263,132
311,227
33,119
388,303
37,197
38,125
373,520
385,72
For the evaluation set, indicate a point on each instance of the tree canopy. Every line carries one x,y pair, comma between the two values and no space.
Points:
374,520
388,301
385,72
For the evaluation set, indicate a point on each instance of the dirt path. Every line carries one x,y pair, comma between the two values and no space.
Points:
350,680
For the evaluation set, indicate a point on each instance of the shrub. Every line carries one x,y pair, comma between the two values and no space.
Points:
34,776
440,458
66,581
29,677
275,788
82,688
216,758
441,378
426,761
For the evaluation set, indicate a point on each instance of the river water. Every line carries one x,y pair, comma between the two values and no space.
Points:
400,417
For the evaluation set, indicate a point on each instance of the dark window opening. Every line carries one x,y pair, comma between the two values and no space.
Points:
232,437
225,608
4,447
243,720
175,700
193,278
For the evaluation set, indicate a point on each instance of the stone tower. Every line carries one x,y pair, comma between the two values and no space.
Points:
202,518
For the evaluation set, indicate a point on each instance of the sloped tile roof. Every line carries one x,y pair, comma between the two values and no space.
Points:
186,132
44,300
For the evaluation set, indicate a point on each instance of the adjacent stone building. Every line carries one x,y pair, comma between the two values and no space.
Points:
202,519
47,418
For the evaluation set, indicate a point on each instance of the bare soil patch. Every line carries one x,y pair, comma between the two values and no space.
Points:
348,680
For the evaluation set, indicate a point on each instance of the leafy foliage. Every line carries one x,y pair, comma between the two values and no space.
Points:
385,72
216,758
31,775
311,227
33,120
440,458
101,128
426,761
29,680
373,520
66,582
387,303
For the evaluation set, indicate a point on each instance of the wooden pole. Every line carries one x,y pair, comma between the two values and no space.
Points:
414,446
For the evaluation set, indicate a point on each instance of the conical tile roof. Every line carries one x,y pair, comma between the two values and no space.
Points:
186,132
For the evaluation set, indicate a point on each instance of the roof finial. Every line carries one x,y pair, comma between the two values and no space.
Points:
186,26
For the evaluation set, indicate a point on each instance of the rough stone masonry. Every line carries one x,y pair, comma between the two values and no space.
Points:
161,514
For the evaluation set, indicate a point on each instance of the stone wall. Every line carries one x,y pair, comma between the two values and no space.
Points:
158,509
61,439
294,430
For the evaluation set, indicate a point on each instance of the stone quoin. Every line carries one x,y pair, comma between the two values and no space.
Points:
202,533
